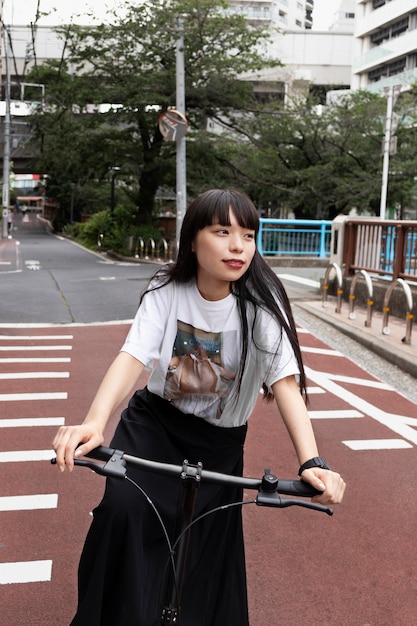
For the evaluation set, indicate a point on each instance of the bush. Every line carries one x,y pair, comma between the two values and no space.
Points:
116,229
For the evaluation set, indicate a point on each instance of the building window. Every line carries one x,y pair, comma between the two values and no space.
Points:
389,69
389,32
412,61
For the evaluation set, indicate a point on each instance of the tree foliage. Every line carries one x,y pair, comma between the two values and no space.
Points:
131,65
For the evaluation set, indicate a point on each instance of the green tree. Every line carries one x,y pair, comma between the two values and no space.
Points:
321,161
315,161
131,65
402,187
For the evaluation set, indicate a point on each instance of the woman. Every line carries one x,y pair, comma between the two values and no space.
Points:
215,328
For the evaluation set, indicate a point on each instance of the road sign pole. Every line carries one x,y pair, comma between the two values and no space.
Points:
6,152
181,150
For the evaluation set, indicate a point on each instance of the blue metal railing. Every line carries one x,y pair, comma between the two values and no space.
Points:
279,237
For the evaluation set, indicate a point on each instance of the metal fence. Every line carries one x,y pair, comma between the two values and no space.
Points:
387,248
279,237
161,250
309,238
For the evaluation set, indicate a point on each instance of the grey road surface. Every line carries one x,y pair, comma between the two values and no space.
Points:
46,278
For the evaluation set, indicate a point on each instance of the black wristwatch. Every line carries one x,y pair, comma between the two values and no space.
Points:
316,461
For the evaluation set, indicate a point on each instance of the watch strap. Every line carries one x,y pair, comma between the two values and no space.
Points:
316,461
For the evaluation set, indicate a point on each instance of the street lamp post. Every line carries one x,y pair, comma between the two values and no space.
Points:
115,171
389,147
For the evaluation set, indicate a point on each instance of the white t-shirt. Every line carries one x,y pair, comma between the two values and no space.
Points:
193,347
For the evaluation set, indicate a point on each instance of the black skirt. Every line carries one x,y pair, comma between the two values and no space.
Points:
125,556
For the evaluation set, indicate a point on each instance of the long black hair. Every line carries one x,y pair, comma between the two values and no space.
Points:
259,286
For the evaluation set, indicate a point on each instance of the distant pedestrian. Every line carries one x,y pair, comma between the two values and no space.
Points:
9,222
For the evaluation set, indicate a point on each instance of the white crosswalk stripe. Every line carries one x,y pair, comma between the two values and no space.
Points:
16,351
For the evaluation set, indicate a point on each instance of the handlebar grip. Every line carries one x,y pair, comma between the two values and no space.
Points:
297,488
101,453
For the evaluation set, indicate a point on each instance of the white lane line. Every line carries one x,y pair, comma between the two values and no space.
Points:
25,572
127,322
299,279
314,391
36,360
32,348
24,375
402,425
364,382
340,414
35,337
378,444
29,503
25,422
17,456
325,351
21,397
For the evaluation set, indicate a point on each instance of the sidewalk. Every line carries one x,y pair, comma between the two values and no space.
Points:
9,255
390,346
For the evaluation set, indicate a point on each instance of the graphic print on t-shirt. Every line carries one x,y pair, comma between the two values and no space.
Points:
196,380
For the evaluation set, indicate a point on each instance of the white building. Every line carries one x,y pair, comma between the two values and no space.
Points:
344,17
318,60
322,58
284,14
385,44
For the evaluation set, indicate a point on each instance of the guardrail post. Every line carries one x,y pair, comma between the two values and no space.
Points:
339,279
259,238
369,303
164,245
150,245
322,250
409,315
139,249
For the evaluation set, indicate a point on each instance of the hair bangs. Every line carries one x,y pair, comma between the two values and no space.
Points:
215,206
244,210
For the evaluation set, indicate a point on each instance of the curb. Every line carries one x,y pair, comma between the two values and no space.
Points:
376,344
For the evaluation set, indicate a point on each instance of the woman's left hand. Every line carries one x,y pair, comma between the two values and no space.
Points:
331,484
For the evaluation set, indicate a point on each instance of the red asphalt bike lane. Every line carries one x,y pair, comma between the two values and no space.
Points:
356,568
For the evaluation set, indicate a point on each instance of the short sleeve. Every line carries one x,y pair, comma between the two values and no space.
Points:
146,334
275,348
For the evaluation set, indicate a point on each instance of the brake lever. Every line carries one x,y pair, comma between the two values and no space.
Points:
275,500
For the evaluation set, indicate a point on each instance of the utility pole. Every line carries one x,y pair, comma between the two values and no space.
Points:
6,138
389,144
180,144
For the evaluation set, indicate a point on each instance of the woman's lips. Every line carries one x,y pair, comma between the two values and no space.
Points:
234,263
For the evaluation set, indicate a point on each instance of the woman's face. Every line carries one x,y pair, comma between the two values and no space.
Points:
223,255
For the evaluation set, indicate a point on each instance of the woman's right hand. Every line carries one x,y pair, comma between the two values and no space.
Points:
74,441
